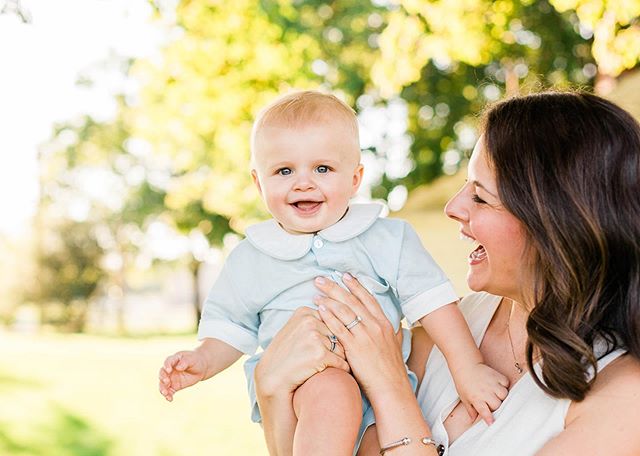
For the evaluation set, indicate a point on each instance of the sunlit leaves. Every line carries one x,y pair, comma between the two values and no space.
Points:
615,27
476,32
201,95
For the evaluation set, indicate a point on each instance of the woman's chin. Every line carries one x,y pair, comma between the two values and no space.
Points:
474,282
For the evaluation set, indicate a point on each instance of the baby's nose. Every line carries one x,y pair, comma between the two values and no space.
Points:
304,182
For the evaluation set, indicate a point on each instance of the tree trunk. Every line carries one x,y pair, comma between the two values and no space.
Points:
194,266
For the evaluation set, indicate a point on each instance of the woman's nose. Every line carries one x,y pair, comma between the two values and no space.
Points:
454,208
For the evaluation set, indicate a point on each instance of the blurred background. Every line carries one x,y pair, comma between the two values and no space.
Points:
124,180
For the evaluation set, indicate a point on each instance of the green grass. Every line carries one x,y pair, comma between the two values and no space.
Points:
90,396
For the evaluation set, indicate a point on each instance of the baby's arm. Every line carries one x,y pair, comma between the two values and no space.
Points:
481,388
186,368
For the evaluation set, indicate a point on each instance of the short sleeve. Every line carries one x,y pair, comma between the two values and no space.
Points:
422,285
226,317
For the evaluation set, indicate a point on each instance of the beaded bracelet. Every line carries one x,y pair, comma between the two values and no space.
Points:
406,441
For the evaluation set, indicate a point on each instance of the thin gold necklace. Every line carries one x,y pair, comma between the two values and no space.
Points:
513,351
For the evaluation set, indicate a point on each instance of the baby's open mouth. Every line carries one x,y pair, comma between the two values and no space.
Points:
306,206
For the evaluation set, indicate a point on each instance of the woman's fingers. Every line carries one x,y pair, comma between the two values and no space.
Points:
333,360
360,292
339,294
304,312
335,325
333,344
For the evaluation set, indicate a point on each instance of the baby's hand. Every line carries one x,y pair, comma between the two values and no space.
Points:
180,371
481,390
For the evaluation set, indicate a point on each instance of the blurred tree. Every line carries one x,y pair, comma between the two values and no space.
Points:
615,26
68,274
200,96
443,60
88,233
447,59
178,150
101,186
68,254
14,7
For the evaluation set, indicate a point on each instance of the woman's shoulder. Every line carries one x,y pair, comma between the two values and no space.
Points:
612,406
621,379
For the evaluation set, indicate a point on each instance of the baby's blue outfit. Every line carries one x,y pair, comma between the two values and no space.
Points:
270,274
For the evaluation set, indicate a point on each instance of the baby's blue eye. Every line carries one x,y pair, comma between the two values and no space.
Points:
322,169
284,171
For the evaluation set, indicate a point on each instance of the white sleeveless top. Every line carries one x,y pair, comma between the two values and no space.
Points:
527,419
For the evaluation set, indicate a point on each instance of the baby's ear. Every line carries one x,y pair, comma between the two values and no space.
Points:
357,177
254,176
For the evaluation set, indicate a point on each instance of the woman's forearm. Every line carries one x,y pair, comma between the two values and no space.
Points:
398,416
278,422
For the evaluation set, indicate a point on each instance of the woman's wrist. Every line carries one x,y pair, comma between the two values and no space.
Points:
267,386
393,399
278,420
388,388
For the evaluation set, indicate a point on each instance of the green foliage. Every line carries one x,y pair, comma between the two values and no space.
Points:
528,46
68,274
615,27
200,98
178,152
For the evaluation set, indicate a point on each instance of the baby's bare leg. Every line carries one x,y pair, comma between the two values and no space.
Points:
329,410
369,445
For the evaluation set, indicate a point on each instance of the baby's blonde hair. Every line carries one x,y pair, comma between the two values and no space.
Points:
302,108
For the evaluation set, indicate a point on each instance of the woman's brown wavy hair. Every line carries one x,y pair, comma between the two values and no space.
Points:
567,166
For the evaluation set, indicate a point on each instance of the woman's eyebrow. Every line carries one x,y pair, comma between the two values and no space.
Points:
478,184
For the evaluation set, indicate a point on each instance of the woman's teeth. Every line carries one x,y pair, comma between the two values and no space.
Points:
478,254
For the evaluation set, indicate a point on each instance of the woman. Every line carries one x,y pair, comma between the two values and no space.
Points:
552,200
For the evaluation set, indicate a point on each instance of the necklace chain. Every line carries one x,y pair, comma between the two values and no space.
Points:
513,351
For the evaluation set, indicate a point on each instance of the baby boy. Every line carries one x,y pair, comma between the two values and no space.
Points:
306,165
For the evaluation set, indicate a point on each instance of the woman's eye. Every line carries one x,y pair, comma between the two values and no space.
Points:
477,199
284,171
322,169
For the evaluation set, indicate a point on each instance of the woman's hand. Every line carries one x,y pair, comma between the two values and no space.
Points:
299,350
371,346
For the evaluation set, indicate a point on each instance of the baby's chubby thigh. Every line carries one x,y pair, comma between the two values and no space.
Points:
331,397
330,393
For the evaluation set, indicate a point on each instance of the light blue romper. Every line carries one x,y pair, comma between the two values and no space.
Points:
270,274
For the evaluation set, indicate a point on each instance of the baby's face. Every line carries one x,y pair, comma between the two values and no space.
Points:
306,175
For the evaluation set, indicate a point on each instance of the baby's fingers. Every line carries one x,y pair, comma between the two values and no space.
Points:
493,403
170,362
470,410
485,413
163,377
164,384
502,392
336,361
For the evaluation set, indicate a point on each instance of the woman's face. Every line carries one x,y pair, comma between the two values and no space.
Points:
498,261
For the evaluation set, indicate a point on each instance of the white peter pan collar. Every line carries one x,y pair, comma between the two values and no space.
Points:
270,238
